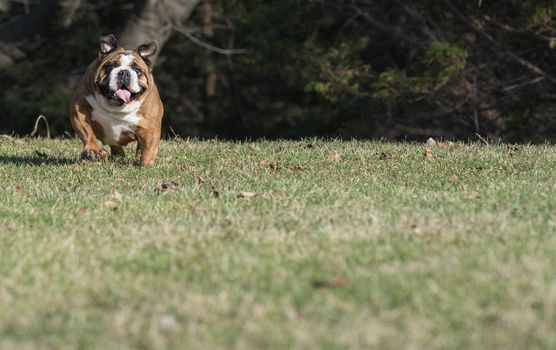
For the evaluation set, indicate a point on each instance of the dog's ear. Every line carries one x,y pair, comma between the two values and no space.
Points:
148,50
108,43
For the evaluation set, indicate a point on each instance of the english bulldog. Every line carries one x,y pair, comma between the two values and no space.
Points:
117,102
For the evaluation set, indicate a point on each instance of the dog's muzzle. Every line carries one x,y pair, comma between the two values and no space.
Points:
124,78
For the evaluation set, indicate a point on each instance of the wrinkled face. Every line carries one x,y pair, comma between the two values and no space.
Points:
122,77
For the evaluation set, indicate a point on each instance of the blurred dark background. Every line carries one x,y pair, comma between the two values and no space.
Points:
293,68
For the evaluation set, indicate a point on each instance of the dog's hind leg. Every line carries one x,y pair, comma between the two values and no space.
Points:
147,147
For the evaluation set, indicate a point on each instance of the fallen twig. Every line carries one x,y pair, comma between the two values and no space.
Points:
482,139
36,128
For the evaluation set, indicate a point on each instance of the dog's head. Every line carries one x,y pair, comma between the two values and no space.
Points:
124,76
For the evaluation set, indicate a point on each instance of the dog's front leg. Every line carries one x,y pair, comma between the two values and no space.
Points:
84,130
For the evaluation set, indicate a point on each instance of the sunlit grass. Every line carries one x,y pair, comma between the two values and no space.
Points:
345,245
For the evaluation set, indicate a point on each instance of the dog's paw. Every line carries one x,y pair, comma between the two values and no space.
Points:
93,155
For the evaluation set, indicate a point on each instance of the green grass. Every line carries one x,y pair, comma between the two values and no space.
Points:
348,245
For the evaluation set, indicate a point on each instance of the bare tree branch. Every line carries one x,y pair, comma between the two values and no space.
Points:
495,46
188,32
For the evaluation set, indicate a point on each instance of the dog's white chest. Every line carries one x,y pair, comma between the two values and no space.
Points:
114,124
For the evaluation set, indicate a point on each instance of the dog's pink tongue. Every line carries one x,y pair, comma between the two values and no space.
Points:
123,95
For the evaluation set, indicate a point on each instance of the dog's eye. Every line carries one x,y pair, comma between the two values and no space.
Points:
109,66
138,70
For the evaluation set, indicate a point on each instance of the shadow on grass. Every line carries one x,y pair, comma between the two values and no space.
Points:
37,160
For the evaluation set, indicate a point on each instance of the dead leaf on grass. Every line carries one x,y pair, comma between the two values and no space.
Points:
167,187
299,168
200,180
19,189
416,229
188,168
335,282
83,210
454,180
333,157
247,195
216,192
194,207
11,226
272,166
386,156
513,148
441,145
472,197
110,204
41,154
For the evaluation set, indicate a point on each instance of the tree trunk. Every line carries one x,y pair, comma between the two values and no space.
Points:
153,19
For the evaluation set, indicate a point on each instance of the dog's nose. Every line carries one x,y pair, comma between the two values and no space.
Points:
124,76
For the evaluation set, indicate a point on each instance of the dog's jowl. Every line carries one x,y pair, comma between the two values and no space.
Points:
117,102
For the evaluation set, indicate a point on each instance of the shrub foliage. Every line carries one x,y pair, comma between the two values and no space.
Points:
347,68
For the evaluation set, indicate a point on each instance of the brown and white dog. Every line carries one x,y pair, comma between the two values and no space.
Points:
117,102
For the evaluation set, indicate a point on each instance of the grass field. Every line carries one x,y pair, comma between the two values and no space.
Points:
345,245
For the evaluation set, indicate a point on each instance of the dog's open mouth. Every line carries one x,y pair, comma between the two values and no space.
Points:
124,95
